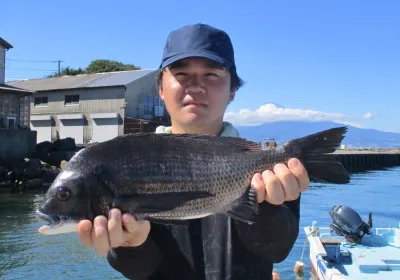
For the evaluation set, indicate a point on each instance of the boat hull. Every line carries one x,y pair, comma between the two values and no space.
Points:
333,257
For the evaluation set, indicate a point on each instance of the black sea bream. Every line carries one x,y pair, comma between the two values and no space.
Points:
174,177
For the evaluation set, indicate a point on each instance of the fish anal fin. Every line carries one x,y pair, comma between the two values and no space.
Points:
159,202
182,223
246,207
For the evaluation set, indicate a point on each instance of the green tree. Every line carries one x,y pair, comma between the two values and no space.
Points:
105,65
67,71
97,66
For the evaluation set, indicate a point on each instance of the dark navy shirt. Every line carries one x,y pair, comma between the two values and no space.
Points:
213,248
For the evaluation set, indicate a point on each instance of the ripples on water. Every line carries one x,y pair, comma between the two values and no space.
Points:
25,254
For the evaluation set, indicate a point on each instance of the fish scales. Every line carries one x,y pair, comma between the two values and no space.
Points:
191,169
225,176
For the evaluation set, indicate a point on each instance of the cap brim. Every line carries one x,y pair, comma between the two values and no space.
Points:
207,55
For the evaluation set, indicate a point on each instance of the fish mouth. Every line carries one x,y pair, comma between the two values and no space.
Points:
56,223
53,220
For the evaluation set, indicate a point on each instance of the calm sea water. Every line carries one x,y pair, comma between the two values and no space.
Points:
25,254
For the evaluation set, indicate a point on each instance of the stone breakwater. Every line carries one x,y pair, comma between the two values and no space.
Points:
32,174
39,170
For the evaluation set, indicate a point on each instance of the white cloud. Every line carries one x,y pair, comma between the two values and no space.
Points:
272,113
368,116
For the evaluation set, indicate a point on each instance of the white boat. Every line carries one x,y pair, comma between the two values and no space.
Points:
349,249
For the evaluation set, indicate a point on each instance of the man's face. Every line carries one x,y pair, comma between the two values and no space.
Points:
196,92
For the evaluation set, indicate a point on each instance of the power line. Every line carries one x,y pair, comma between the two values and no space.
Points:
33,61
39,61
29,69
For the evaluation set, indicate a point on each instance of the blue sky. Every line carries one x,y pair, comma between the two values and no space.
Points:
310,60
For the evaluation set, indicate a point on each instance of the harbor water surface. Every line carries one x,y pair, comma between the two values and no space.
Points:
25,254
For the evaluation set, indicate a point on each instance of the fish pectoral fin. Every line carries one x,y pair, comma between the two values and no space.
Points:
153,203
246,207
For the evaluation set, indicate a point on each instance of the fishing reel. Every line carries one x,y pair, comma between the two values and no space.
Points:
348,223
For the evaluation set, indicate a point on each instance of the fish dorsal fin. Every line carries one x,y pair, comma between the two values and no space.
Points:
245,145
241,143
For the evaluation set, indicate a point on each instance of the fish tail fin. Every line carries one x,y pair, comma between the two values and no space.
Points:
313,150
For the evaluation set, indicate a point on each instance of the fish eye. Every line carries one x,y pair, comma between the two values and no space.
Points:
63,193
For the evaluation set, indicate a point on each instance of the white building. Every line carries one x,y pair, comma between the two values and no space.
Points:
92,107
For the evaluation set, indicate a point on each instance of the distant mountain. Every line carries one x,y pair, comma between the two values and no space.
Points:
274,103
287,130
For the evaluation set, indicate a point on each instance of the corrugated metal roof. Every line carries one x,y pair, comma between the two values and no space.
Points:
82,81
122,78
14,89
5,44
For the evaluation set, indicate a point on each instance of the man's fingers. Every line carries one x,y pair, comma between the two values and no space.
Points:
300,172
136,231
258,184
130,223
85,232
288,181
274,192
100,235
115,231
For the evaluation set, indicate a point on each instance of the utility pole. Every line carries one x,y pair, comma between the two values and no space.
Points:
59,68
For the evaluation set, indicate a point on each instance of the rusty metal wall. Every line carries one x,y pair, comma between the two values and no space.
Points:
132,125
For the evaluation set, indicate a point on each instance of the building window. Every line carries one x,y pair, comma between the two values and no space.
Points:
11,122
71,99
158,107
148,106
41,101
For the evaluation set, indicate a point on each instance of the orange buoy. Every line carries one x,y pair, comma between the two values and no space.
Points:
275,275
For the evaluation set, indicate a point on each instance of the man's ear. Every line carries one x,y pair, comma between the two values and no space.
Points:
232,96
161,93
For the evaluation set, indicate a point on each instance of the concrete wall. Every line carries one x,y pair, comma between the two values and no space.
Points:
361,162
96,100
2,64
15,145
9,107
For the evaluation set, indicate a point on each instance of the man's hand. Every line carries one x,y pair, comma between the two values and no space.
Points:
105,234
282,184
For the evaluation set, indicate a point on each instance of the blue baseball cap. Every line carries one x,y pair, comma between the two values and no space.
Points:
199,40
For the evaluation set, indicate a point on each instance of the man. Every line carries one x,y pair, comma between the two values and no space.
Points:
197,81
